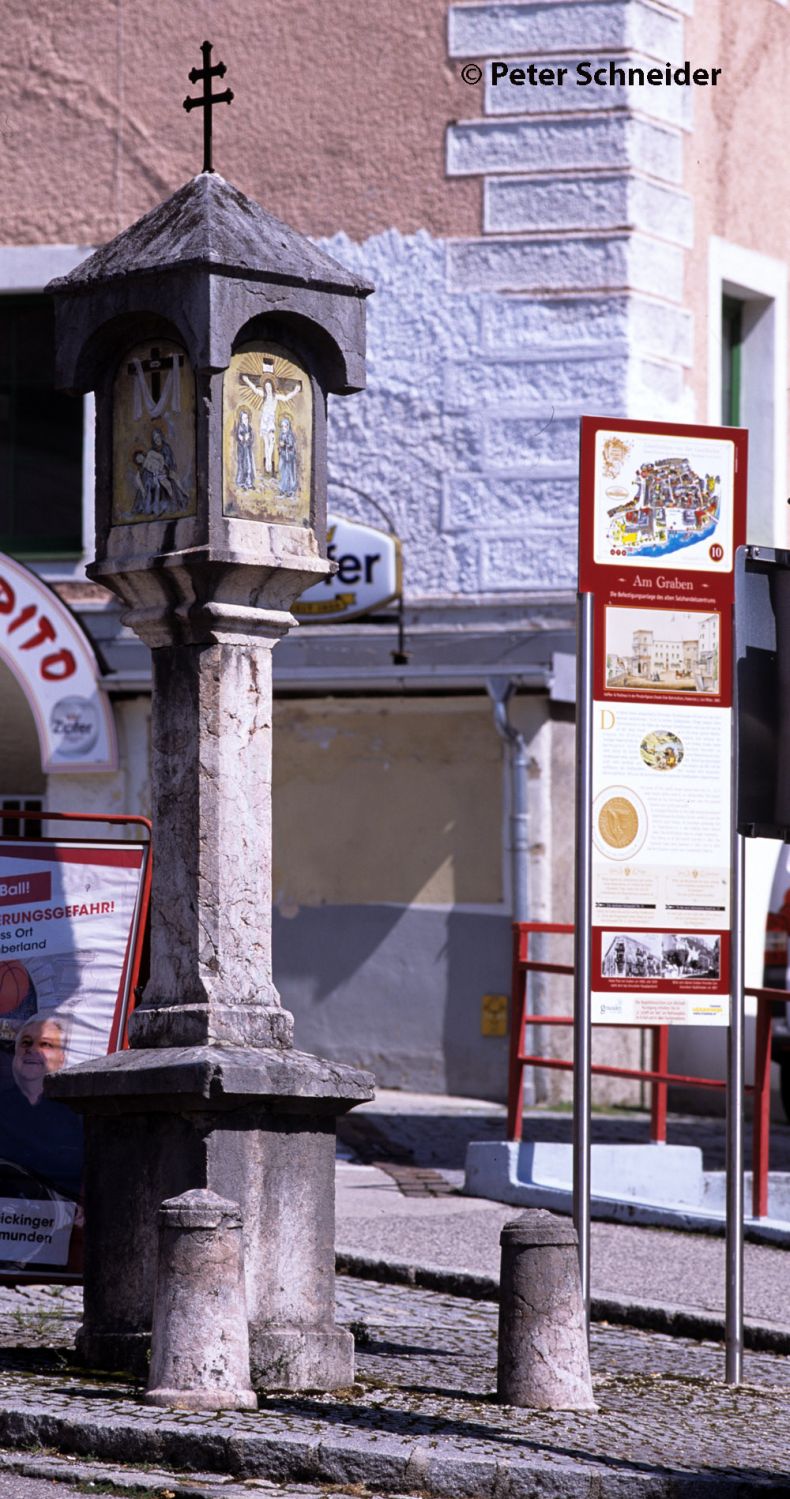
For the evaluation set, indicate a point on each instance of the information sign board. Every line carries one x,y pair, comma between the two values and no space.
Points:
662,510
69,914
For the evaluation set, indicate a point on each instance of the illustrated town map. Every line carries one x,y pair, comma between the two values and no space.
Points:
651,504
671,507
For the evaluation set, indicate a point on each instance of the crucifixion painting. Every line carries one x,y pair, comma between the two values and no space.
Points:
153,435
268,428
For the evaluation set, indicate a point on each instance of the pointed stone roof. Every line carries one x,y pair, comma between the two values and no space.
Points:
209,224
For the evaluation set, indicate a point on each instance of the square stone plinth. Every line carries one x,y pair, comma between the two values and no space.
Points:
255,1126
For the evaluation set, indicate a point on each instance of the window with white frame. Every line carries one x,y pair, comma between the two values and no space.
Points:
747,374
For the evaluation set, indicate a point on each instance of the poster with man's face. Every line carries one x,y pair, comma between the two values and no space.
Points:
67,915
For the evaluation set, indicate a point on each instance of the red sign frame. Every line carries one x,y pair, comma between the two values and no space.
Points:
672,547
712,592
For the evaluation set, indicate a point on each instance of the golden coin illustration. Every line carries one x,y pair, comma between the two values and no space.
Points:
618,822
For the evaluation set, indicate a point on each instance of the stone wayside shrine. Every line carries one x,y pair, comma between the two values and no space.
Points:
211,334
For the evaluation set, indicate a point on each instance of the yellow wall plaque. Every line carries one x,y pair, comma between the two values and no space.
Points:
493,1016
267,436
153,435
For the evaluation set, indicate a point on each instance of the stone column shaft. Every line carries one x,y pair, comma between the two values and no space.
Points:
211,960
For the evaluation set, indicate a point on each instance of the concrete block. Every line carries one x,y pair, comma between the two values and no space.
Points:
657,379
463,440
512,26
515,441
543,1361
462,567
562,145
562,687
535,382
506,504
546,559
661,211
659,328
649,405
594,201
654,262
618,322
671,103
513,324
567,263
669,1174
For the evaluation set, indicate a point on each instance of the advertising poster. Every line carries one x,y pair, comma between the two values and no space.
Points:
68,915
662,512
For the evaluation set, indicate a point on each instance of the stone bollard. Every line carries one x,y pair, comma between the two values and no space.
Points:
200,1350
543,1360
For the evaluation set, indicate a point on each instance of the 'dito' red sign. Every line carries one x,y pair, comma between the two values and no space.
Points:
662,511
68,921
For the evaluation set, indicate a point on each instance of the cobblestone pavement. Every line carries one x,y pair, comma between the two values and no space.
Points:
423,1396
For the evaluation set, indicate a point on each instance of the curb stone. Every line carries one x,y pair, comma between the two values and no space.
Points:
648,1316
392,1466
68,1470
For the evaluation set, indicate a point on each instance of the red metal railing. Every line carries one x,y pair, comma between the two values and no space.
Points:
657,1075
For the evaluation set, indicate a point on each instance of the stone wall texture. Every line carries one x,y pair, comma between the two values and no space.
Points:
485,349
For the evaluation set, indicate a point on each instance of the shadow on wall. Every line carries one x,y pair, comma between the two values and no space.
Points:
398,991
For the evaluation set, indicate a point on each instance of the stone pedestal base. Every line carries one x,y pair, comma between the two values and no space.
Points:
305,1358
256,1126
317,1358
114,1352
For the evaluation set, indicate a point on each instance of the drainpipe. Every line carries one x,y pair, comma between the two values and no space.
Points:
517,835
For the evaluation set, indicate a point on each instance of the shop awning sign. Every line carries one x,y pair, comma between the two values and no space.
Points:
368,574
53,661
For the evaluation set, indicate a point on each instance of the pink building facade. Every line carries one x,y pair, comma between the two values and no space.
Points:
540,249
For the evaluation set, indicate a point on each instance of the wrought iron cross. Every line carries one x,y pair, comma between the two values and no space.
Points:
206,73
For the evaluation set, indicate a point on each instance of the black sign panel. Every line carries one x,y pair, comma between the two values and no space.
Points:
762,692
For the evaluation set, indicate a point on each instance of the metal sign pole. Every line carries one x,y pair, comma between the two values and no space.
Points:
582,944
734,1288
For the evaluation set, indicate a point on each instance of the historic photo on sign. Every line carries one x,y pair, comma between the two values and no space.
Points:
663,501
658,650
153,435
654,955
267,436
